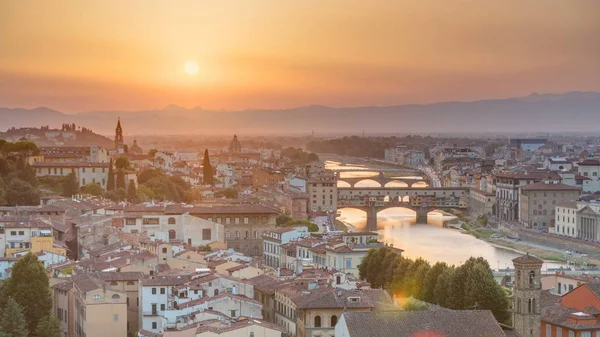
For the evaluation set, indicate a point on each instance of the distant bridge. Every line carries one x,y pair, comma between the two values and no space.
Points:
373,200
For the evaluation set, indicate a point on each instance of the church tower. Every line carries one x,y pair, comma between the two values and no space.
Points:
235,146
119,144
526,295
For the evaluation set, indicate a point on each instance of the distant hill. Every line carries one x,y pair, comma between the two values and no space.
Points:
568,112
46,136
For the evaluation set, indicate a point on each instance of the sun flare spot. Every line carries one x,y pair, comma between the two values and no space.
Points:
191,67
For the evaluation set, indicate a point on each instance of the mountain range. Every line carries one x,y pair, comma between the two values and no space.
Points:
568,112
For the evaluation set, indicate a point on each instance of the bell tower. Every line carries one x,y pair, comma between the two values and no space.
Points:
119,144
526,295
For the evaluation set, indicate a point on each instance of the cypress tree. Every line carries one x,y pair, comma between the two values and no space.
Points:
13,321
48,327
110,184
121,179
29,287
131,192
207,172
70,185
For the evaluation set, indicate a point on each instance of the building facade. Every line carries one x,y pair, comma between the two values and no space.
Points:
526,295
537,203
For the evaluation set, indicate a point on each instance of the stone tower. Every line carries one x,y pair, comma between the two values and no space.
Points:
119,144
526,295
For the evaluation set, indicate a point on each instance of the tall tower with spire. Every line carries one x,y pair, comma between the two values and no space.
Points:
526,295
119,144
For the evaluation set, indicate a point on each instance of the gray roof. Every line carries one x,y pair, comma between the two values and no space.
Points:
447,323
329,298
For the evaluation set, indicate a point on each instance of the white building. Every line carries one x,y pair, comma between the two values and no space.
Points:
558,164
272,241
86,173
171,302
566,219
156,222
590,168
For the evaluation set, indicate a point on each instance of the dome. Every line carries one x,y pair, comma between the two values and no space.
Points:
235,145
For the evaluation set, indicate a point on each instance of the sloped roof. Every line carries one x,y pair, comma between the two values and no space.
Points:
447,323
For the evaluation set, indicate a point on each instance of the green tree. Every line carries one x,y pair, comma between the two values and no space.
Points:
121,179
427,292
21,193
207,171
282,219
484,293
122,163
2,192
415,305
13,321
149,174
442,289
312,227
48,327
131,192
110,184
116,195
415,277
93,189
28,285
70,185
152,153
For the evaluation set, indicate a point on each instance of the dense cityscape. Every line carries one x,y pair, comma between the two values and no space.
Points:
298,168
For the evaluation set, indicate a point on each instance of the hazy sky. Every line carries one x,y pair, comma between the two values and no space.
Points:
114,54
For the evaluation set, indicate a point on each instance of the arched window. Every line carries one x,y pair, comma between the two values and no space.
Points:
216,292
116,297
172,234
333,320
130,283
172,221
531,278
317,321
114,283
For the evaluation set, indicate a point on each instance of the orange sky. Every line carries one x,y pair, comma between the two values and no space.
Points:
114,54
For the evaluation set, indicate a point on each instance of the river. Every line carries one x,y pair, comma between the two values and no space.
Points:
433,242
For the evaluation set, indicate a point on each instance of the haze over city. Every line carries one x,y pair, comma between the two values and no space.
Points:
295,168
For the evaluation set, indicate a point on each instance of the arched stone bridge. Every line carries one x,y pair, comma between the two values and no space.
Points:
422,200
411,178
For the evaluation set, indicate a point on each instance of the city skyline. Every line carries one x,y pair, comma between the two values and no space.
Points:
83,56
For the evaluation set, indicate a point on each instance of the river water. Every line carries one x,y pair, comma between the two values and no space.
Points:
432,241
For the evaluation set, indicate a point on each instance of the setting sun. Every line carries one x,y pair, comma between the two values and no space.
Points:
191,67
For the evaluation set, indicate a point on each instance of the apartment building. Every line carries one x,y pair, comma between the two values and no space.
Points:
537,204
175,301
86,172
19,234
322,192
273,239
590,168
565,222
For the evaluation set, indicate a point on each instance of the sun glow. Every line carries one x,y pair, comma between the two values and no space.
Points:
191,67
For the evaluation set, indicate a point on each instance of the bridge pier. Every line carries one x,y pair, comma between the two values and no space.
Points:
371,219
422,215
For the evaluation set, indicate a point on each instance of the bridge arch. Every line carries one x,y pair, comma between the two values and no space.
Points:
396,183
367,183
420,184
342,183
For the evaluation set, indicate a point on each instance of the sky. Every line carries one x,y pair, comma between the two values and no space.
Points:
79,56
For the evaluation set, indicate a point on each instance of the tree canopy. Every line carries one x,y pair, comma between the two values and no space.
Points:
469,286
207,171
29,287
70,185
312,227
12,322
228,193
19,192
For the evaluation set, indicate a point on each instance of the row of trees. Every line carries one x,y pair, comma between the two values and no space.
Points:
26,303
299,156
285,220
468,286
18,182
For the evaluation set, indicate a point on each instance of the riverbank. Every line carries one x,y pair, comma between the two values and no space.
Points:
496,238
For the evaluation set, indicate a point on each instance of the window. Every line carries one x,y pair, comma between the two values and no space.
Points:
255,235
154,325
317,321
172,234
162,291
164,250
572,333
232,313
237,221
348,263
153,291
548,330
21,232
172,221
206,234
162,307
116,317
114,283
245,220
228,221
333,320
13,232
531,278
586,334
227,235
130,283
96,297
216,292
247,236
237,234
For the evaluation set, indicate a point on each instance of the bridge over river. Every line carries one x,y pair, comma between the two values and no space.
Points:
372,200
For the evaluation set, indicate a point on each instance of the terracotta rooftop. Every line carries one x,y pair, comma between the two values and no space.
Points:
527,259
447,323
